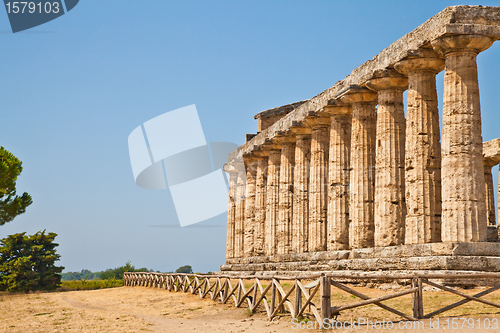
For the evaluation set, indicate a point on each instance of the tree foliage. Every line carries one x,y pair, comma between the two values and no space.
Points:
27,263
185,269
117,273
11,205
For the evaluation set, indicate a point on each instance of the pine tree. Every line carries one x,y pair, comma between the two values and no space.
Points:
27,263
11,205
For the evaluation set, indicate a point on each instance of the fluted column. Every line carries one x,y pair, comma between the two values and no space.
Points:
390,208
260,205
300,222
285,205
362,176
272,196
250,189
464,207
239,215
490,196
338,176
423,148
231,209
317,186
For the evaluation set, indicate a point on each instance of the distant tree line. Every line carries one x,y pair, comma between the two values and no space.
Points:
115,273
110,273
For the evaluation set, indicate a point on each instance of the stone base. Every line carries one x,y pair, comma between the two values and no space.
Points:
433,257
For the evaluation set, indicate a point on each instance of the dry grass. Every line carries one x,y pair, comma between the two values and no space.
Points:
136,309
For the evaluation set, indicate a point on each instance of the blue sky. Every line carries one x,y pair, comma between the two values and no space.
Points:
73,89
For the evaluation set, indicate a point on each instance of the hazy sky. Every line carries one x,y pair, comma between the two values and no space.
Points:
73,89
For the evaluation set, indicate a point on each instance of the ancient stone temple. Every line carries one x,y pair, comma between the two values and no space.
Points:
347,181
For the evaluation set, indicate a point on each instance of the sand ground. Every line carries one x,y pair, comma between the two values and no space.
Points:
138,309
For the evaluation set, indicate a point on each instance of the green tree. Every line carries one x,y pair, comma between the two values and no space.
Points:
184,269
28,262
11,205
117,273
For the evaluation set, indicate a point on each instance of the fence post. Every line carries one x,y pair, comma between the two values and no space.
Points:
298,299
326,303
418,303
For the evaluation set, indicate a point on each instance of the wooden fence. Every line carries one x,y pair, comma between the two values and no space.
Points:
299,298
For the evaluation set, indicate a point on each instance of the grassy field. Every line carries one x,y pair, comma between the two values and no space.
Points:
89,284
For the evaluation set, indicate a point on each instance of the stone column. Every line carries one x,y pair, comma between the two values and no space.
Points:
272,195
390,208
338,177
285,205
362,176
260,205
423,148
239,215
317,183
300,223
249,224
231,209
490,196
464,207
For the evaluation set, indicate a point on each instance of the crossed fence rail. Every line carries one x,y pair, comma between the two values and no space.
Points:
299,298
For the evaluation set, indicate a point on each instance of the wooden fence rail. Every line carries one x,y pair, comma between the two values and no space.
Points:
268,292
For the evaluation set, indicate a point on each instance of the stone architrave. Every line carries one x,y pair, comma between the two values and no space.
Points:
239,215
300,220
318,173
464,206
338,176
272,197
250,189
390,208
423,147
362,175
260,203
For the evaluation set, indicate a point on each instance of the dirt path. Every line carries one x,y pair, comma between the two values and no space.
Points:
146,309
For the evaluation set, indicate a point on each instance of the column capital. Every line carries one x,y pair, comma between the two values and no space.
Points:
356,94
387,79
250,158
285,139
337,108
421,60
271,146
299,128
260,152
461,43
317,121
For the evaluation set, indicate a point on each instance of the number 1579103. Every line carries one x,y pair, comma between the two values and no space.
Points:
24,7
